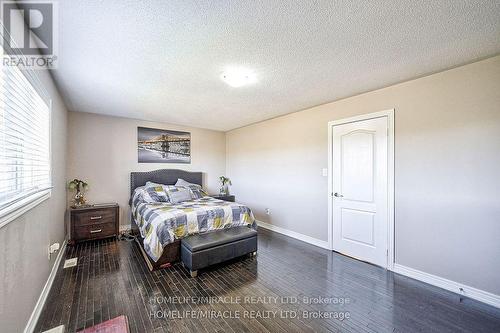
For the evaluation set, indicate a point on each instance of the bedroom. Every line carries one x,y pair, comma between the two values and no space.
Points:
359,144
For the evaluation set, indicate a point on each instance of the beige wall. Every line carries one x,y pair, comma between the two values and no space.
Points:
447,162
24,265
103,151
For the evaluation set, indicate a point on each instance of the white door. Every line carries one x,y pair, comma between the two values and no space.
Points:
360,218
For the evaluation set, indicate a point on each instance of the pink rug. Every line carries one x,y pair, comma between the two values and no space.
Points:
115,325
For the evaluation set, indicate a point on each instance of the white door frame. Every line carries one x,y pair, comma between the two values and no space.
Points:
390,177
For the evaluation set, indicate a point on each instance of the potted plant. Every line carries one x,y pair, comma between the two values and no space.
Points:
80,186
225,182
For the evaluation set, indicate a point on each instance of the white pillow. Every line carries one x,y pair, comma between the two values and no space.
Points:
182,182
197,191
152,184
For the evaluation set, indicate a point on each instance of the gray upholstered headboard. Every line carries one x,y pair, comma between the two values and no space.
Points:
163,176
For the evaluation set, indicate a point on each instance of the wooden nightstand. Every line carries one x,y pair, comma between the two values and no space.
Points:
94,222
223,197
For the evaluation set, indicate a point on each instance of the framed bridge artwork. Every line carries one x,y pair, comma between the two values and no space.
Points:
163,146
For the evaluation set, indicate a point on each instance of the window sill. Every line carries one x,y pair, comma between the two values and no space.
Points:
13,211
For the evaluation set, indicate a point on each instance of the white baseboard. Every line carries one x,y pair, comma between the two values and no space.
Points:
461,289
30,326
296,235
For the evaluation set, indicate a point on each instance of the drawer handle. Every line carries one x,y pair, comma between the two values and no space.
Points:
95,231
96,217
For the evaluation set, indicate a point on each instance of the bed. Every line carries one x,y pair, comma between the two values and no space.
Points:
159,227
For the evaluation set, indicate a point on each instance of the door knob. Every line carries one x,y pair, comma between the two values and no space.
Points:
338,195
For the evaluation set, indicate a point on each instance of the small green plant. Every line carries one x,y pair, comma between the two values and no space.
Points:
225,182
80,186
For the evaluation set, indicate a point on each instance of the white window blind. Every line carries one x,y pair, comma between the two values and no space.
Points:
24,139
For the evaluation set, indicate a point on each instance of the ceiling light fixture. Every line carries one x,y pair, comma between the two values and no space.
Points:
238,76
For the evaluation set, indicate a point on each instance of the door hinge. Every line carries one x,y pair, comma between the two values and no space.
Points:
387,252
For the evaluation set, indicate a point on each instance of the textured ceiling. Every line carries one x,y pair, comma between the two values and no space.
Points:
162,60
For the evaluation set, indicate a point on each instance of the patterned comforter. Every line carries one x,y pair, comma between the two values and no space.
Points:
160,223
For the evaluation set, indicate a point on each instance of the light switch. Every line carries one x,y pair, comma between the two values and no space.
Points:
325,172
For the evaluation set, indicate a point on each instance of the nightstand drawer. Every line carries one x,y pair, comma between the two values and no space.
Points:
100,230
94,217
94,222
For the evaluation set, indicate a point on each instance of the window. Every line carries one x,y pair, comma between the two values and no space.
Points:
24,144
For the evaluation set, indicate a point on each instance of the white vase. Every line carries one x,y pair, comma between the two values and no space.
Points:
224,190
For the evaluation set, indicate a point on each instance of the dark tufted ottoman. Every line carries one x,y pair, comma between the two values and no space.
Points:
203,250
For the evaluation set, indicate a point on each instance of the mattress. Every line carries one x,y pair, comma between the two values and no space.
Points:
161,223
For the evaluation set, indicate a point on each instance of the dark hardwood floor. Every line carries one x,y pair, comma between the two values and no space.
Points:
112,279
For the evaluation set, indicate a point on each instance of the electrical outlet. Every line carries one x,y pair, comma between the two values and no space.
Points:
53,248
324,172
268,211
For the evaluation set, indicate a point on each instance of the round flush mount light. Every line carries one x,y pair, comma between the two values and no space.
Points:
238,76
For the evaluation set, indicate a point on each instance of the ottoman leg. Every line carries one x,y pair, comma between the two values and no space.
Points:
194,274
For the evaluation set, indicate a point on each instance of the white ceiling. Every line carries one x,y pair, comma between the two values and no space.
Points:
162,60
